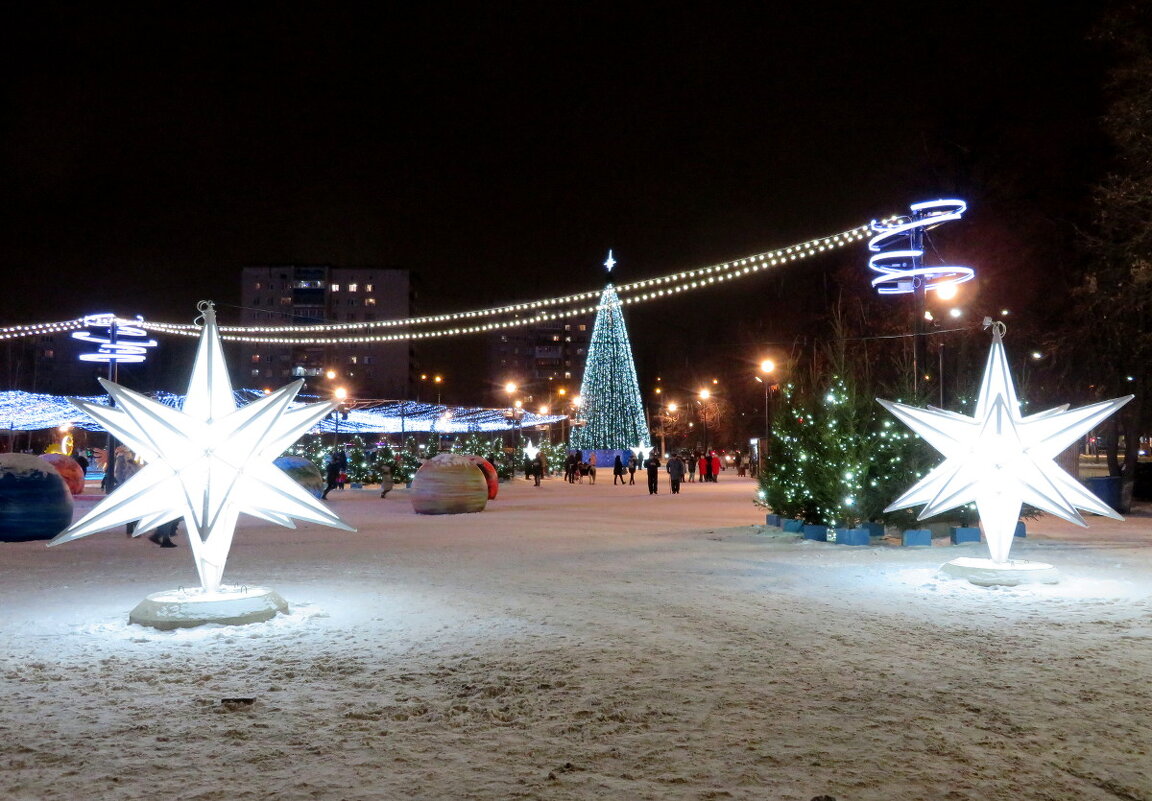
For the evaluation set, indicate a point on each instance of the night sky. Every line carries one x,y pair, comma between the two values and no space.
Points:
498,150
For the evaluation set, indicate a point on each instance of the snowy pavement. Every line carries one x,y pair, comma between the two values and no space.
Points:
581,642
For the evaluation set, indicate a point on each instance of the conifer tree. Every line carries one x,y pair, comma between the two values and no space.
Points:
611,405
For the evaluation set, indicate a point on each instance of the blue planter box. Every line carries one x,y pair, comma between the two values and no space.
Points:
853,536
1021,531
961,535
818,533
772,520
917,536
793,526
1106,488
874,529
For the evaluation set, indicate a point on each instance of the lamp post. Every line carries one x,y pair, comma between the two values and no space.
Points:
665,418
767,367
341,395
704,396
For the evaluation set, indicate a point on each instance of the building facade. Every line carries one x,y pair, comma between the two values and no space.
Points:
541,358
311,294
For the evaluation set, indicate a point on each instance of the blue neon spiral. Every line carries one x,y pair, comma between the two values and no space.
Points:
899,264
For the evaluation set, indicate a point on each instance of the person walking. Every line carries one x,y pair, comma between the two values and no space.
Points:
716,467
618,471
691,459
652,464
592,467
163,534
541,466
702,467
675,472
632,469
337,463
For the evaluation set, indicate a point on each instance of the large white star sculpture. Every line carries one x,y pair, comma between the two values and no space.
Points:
1000,459
206,463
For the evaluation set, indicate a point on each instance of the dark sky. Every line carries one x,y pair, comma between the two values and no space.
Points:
499,149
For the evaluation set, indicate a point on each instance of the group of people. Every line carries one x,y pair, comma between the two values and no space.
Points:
679,466
336,472
577,468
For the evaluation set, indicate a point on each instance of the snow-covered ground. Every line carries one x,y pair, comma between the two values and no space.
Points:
581,642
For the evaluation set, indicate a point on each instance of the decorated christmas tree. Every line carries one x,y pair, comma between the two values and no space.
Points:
611,408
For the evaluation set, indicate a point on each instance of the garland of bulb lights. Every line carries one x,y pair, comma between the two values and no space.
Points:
484,320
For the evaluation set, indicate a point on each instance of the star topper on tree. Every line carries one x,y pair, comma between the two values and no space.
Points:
1000,459
205,463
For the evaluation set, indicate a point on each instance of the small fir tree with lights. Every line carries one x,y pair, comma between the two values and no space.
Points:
611,403
836,457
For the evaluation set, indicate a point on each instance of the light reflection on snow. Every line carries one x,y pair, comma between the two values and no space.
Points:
1071,587
299,616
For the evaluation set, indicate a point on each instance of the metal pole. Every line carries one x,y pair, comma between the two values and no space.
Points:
113,375
940,371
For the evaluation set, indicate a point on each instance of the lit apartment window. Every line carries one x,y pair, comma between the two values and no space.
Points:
368,360
286,300
555,337
583,327
255,358
258,285
335,287
353,360
369,301
353,287
369,287
255,372
567,328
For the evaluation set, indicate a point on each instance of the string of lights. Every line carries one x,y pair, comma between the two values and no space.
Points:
484,320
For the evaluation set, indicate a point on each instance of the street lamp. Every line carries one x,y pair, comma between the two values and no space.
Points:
704,396
341,395
767,367
665,419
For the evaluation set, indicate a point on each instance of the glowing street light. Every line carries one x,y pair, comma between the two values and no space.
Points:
704,396
767,367
341,396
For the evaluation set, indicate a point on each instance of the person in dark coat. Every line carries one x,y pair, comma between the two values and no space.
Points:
652,464
336,465
618,471
675,472
163,534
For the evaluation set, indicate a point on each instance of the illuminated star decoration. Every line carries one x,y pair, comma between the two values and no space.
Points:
609,262
1000,459
206,463
530,450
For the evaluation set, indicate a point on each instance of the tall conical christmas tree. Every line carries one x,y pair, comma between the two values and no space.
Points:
611,408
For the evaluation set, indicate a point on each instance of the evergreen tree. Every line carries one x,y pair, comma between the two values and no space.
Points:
1109,337
836,457
612,409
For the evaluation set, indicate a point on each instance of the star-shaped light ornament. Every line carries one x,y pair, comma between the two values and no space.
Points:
205,463
1000,460
530,450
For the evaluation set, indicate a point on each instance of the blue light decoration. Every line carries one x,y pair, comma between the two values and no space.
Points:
26,411
124,344
899,248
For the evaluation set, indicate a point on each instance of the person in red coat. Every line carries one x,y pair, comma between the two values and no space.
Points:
704,467
715,467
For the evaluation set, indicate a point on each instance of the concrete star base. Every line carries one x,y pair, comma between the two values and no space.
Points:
228,606
986,573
